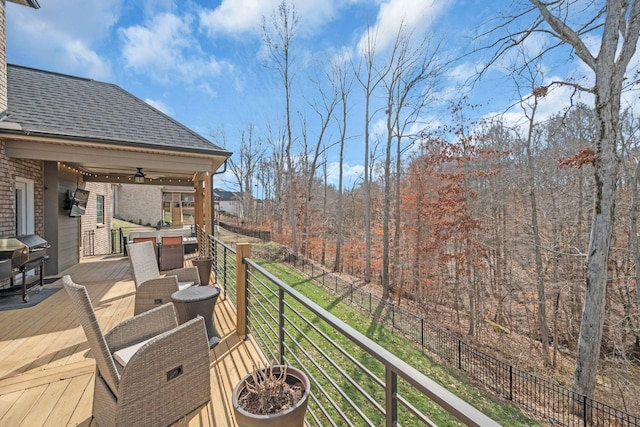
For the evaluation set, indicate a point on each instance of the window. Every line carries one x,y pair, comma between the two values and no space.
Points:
100,210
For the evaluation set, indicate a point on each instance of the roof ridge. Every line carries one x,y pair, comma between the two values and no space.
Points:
24,67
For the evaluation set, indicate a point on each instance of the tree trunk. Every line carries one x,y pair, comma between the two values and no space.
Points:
542,302
633,241
619,39
606,175
386,210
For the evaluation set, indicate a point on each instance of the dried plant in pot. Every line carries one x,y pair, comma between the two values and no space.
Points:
276,395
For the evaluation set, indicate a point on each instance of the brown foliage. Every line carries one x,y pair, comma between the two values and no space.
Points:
583,157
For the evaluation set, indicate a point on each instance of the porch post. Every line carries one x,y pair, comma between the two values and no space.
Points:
243,250
198,215
207,217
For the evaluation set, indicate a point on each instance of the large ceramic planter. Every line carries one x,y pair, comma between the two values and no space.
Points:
292,417
204,269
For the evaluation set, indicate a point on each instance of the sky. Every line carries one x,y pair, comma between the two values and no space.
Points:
204,63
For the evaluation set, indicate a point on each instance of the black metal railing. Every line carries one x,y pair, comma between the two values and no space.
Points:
118,241
354,380
224,266
551,401
89,243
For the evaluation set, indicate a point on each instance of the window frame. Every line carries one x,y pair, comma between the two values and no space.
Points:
99,210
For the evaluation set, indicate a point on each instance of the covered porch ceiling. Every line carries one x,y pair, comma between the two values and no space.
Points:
118,164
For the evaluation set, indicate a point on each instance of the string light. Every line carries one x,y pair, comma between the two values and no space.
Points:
127,178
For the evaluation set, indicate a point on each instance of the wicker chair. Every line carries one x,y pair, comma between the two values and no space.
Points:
149,370
152,289
153,240
171,253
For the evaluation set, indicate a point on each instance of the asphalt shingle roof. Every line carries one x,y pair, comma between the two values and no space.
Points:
53,104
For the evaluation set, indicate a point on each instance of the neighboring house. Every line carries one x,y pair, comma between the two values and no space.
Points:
229,202
59,133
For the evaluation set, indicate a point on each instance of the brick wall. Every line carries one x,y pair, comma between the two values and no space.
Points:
9,170
96,238
139,203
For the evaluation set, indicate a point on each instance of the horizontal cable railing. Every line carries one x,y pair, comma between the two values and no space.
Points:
555,403
354,380
224,266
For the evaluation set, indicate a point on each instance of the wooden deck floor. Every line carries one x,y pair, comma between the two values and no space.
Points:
46,368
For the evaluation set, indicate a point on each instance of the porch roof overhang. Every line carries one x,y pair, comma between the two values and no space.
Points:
100,130
30,3
113,161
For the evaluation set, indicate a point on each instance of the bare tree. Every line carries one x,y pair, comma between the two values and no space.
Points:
279,33
369,77
323,108
342,83
617,24
248,156
273,165
529,109
413,72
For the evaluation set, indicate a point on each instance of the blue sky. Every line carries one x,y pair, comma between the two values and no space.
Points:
203,62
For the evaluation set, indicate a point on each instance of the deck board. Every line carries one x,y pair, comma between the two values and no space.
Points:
46,368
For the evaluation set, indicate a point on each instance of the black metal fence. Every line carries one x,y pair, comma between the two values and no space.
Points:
118,241
354,381
553,402
250,232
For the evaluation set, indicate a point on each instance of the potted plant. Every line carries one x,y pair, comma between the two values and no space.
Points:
276,395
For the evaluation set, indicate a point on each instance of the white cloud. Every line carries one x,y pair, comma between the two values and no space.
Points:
236,17
464,72
351,174
159,105
64,35
413,15
166,49
557,100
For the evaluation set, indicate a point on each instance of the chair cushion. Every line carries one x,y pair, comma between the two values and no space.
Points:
185,285
123,355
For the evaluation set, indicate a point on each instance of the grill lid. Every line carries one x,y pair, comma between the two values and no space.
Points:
8,246
33,241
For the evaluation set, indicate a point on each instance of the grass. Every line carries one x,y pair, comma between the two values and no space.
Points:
127,227
450,378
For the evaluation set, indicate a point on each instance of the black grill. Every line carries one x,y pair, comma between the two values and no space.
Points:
19,255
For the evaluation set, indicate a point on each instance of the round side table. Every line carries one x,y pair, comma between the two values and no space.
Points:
198,301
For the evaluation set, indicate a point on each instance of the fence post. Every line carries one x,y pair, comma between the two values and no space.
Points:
459,353
584,410
422,332
393,316
510,382
243,250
